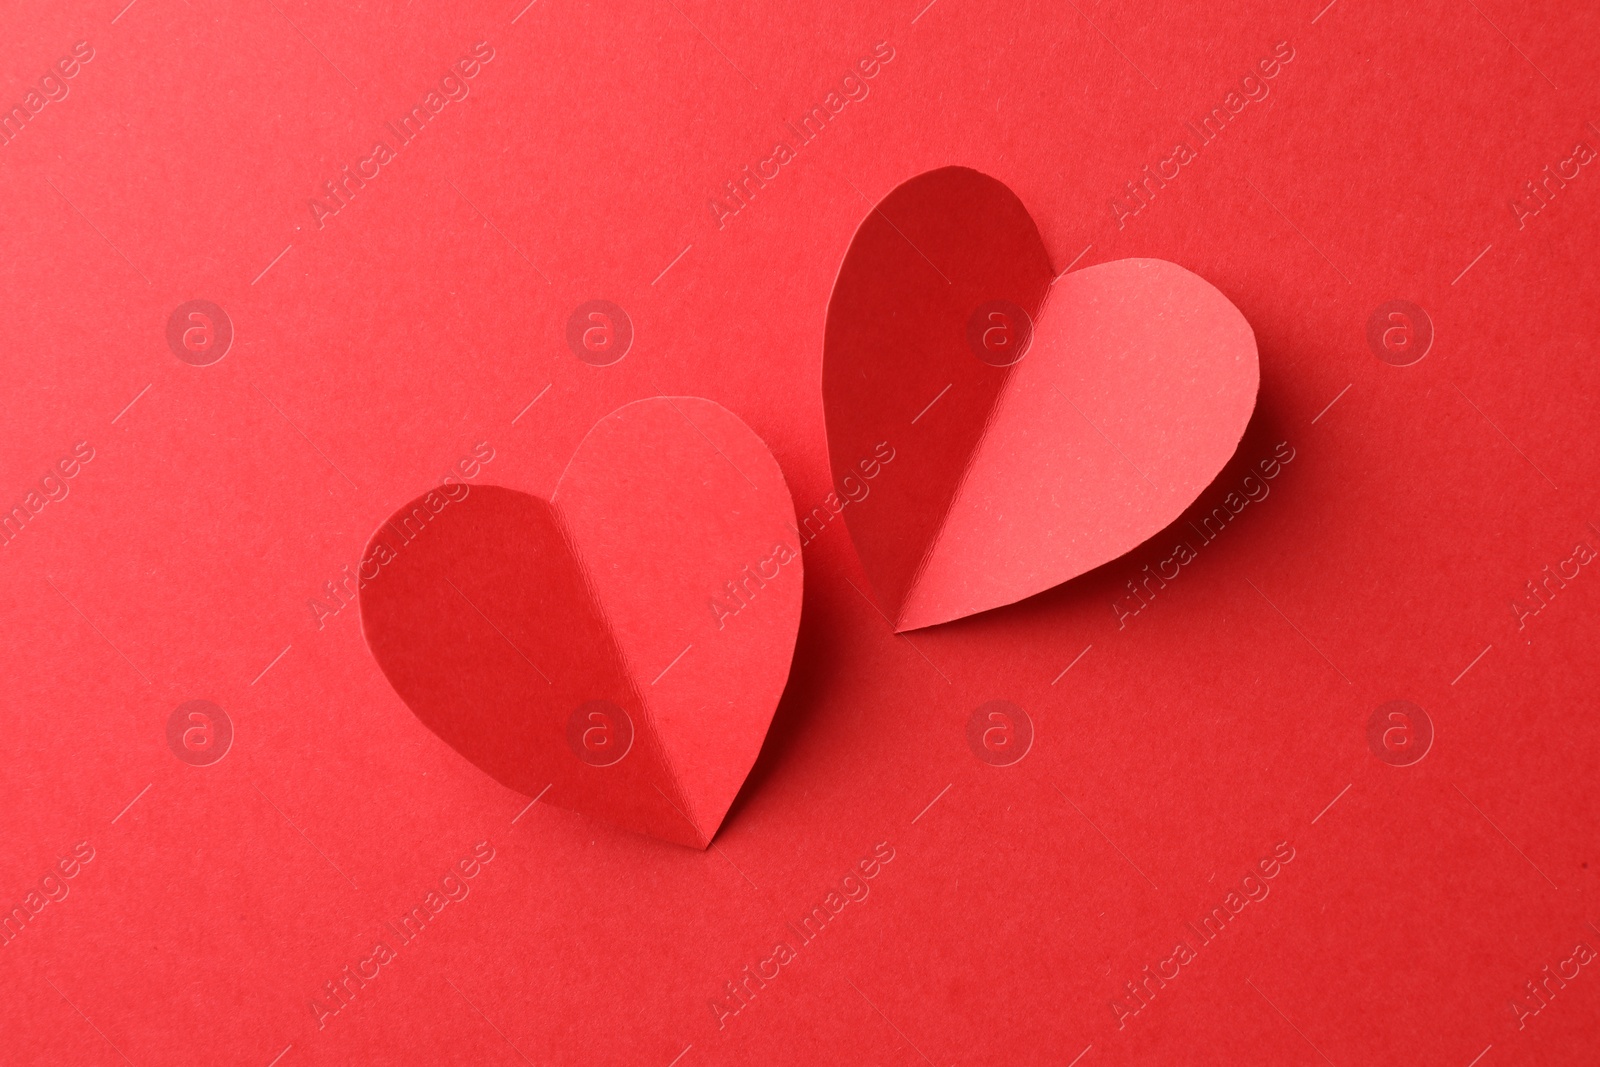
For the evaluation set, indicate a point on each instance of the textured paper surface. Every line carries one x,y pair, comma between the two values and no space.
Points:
1419,539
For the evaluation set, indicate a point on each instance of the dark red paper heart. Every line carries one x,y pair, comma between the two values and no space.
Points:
623,643
1041,425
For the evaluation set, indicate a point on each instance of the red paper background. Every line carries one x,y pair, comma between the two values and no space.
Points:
370,355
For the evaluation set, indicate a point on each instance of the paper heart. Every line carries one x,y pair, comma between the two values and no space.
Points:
1042,425
624,642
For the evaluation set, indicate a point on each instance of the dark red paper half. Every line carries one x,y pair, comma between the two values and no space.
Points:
1042,425
625,642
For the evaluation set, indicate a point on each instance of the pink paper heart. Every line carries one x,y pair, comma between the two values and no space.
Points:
624,642
1042,425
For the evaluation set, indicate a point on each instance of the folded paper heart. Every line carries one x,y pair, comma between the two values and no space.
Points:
623,643
1042,424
